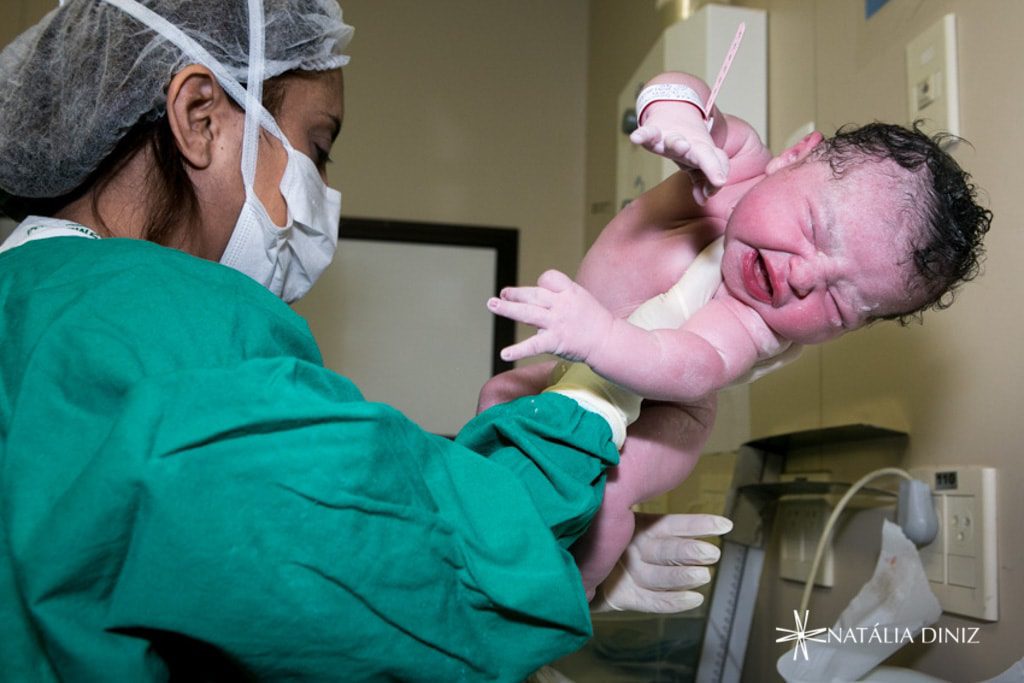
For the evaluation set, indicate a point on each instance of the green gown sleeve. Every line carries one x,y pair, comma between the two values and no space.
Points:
213,501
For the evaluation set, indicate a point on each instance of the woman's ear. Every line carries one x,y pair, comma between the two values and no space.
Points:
196,105
796,153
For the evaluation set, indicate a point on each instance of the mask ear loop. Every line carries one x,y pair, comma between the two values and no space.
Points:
198,53
253,97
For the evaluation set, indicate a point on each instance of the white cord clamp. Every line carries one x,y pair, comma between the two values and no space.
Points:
667,92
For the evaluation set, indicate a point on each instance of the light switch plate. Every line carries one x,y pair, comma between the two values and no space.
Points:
962,562
932,86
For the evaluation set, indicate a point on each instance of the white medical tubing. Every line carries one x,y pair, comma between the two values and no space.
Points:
827,531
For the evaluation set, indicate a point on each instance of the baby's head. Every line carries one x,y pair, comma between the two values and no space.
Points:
874,223
945,245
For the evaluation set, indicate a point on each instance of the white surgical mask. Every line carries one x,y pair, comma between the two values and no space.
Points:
286,260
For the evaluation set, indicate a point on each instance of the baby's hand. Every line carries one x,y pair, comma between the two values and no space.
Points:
685,139
569,320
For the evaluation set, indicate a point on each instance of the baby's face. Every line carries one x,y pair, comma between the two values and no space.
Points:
817,256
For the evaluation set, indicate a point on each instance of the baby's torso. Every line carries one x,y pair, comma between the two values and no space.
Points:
625,268
635,259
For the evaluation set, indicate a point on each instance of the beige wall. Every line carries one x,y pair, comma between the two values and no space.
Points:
466,111
469,111
621,33
18,15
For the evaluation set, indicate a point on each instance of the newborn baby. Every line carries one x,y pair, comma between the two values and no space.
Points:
829,236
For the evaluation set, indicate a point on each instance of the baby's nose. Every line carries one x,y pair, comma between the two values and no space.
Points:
803,276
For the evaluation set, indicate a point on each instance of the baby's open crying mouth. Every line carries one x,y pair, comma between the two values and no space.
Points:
761,272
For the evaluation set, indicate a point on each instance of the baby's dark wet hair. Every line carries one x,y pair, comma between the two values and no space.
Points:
948,248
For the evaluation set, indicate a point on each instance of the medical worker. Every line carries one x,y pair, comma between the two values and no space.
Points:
185,491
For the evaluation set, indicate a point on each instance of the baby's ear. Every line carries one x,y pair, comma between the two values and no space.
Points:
796,153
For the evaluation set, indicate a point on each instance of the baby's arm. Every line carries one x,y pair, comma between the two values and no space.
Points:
676,129
717,345
729,153
649,243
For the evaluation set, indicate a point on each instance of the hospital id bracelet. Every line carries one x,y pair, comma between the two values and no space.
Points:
667,92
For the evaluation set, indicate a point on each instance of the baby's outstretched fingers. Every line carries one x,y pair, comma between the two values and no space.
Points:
646,136
554,281
538,296
723,164
534,346
676,146
570,322
689,145
711,161
702,189
526,313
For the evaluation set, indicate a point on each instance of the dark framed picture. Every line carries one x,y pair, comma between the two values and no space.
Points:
402,312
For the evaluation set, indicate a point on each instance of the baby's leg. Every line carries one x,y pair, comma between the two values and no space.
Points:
610,531
661,449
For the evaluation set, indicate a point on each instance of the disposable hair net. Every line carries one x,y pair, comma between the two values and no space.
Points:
76,82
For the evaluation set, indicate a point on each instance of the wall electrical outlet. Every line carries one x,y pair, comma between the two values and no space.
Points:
802,519
962,562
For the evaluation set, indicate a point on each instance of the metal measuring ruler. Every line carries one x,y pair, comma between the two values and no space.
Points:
731,609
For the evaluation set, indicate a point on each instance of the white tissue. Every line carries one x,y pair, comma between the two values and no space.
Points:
896,603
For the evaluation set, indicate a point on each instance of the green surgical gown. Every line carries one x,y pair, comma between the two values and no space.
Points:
186,489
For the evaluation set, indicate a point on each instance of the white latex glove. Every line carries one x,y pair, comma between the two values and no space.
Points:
619,407
662,565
